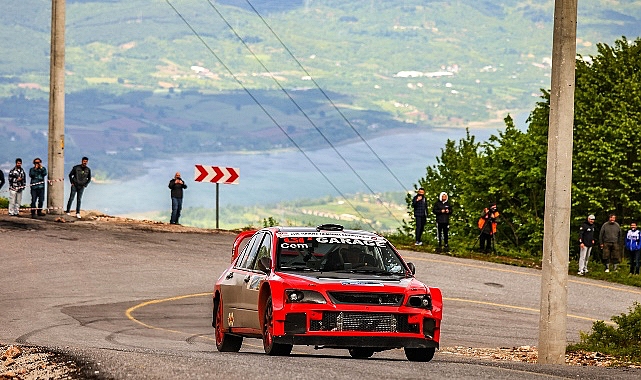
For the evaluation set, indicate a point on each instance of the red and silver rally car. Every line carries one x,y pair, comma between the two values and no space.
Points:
326,287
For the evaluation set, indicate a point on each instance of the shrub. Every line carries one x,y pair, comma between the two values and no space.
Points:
622,341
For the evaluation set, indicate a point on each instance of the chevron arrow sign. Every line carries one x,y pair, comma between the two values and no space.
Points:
216,174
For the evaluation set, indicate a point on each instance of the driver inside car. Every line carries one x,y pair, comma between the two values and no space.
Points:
356,257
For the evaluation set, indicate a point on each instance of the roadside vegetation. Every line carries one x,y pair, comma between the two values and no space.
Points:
622,341
510,167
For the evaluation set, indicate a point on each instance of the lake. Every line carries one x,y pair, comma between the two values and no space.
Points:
272,177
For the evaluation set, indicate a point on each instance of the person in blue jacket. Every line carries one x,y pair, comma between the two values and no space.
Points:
633,245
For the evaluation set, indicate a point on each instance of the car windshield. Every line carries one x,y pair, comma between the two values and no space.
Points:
337,252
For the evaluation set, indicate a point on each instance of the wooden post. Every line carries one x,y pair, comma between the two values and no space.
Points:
556,232
56,139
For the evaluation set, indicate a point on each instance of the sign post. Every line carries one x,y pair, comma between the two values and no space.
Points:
217,175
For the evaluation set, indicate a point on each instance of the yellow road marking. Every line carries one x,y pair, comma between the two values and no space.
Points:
129,312
610,287
533,310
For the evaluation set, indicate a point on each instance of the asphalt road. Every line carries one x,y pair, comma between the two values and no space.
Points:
134,301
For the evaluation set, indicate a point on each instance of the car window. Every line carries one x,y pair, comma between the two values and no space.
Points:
345,252
265,250
250,251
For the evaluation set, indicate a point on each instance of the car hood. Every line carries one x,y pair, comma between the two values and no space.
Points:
348,281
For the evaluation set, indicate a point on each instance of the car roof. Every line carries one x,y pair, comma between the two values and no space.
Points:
320,230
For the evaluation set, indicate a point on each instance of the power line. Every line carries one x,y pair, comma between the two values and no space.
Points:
266,112
324,93
300,108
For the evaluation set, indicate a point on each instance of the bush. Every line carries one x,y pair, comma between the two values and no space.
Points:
4,202
622,341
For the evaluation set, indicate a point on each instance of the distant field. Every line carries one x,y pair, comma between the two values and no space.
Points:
385,213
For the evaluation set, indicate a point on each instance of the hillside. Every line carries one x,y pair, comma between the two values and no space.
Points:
141,84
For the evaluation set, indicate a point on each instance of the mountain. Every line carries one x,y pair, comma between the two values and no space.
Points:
147,79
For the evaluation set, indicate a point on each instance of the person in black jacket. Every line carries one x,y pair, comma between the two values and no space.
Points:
37,174
586,241
420,214
442,209
1,179
176,185
79,176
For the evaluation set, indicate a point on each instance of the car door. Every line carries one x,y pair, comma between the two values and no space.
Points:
253,278
233,282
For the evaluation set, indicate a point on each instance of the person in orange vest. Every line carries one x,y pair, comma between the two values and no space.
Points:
487,224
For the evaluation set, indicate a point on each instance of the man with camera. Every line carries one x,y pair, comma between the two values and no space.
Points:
487,224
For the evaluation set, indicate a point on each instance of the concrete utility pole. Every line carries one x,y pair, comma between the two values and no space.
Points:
56,192
556,232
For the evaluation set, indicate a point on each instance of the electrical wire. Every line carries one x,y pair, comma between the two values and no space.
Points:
282,88
324,94
266,112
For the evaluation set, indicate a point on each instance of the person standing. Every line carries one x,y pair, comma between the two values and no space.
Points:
1,179
80,177
442,209
633,244
17,183
420,214
609,239
177,185
37,174
586,242
487,224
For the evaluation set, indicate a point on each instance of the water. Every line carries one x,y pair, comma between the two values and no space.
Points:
268,178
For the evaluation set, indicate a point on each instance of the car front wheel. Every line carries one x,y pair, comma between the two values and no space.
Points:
225,342
419,354
271,348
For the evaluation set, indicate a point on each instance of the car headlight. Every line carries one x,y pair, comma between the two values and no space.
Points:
304,296
423,301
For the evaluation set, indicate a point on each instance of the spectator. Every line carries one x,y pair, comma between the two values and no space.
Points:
442,209
37,175
17,183
633,245
609,239
420,214
586,241
80,177
487,224
176,185
1,179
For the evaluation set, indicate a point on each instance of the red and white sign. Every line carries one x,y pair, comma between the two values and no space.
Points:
216,174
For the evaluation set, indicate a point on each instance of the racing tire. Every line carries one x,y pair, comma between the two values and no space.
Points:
361,352
271,348
225,342
419,354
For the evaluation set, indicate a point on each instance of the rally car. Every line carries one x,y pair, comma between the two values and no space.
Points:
325,287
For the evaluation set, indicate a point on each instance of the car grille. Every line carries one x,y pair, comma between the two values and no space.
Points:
366,322
367,298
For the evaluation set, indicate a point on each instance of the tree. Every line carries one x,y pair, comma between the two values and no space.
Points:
510,167
607,134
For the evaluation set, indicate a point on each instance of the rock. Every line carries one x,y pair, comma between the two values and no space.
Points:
12,352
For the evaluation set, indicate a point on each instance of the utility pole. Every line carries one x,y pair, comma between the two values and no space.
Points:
56,191
556,231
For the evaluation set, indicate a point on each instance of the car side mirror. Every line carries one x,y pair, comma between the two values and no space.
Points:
412,268
264,264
